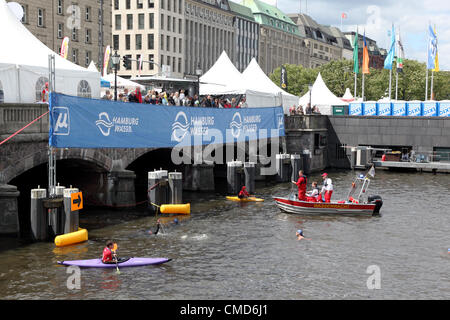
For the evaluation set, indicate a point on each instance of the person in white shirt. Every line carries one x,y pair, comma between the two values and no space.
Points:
314,195
327,189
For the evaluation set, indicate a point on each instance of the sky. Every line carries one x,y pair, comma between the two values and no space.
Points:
411,17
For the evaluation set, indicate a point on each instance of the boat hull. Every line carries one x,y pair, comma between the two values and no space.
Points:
316,208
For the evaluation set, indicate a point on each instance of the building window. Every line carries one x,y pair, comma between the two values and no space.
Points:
162,42
162,4
40,85
179,6
116,4
174,44
161,62
168,23
74,34
138,57
141,18
84,89
118,21
88,35
150,41
88,13
180,27
151,65
139,4
162,21
151,4
128,4
60,7
168,43
138,42
179,65
179,45
88,58
75,56
168,5
2,95
151,24
129,64
40,17
60,30
25,14
129,21
116,42
127,42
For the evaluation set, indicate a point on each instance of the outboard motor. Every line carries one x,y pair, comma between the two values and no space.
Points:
378,203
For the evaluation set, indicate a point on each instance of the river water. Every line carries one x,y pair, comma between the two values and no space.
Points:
225,250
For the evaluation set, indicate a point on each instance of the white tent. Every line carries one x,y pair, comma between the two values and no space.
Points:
254,75
348,97
321,97
122,82
223,78
24,65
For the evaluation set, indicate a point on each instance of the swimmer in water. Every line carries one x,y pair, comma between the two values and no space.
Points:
300,235
158,226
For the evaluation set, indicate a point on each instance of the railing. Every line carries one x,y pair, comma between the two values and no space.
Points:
15,116
305,122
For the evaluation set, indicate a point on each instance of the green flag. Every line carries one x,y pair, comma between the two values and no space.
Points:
355,53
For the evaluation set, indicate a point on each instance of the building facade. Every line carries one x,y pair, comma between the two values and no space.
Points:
209,30
280,41
87,24
151,30
246,36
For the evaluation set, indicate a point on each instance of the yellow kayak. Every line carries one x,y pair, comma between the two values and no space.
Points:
249,199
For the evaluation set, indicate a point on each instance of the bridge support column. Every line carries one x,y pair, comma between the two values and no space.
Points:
39,223
296,164
234,177
283,167
72,218
199,177
9,215
121,189
250,172
176,187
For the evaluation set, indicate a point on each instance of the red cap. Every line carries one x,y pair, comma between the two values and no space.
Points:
325,175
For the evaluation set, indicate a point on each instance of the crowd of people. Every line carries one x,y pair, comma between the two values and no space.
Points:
307,110
177,98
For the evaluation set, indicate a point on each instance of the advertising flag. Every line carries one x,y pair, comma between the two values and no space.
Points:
355,53
390,57
432,48
400,54
106,59
65,47
283,77
436,60
365,64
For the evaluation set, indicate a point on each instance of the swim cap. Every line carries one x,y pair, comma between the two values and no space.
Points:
325,175
175,220
300,232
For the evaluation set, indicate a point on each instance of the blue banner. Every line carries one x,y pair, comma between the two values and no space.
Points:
370,109
355,109
414,109
384,109
89,123
399,109
429,109
444,109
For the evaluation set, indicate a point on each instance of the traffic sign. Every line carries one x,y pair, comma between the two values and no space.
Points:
76,201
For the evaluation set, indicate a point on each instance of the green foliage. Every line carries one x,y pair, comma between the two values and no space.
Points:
338,75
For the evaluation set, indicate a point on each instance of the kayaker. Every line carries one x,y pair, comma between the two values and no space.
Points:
109,256
314,195
243,193
327,189
301,184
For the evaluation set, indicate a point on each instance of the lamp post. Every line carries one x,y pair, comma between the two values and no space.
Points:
115,60
310,87
198,72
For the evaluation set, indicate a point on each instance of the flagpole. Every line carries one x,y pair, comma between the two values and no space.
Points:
432,77
356,79
426,86
396,86
363,87
390,82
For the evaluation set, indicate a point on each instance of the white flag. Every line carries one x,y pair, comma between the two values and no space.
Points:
372,172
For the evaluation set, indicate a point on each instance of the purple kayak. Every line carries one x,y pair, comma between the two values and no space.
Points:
129,262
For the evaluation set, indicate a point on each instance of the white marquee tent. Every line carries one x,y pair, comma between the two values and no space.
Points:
321,97
348,97
24,65
122,82
223,78
253,74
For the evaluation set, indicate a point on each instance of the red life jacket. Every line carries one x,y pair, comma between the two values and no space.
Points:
107,255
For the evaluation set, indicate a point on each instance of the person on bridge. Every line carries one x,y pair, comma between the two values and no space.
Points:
301,184
109,256
327,189
243,193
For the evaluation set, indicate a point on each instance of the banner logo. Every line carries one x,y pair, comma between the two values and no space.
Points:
104,125
180,127
236,125
62,125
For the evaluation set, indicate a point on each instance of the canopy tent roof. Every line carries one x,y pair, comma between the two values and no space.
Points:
348,97
222,78
24,63
321,95
122,82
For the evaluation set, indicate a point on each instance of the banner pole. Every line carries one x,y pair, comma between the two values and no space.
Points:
356,79
363,87
426,86
432,78
396,86
390,83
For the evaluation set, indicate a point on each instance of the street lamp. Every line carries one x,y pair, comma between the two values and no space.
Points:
310,87
198,72
115,60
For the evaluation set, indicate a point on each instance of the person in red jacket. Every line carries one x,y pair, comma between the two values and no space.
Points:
301,184
243,193
109,255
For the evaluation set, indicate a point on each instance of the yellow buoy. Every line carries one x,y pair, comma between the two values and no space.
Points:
71,238
176,208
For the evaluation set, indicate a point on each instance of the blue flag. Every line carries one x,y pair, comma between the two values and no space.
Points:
432,48
390,57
